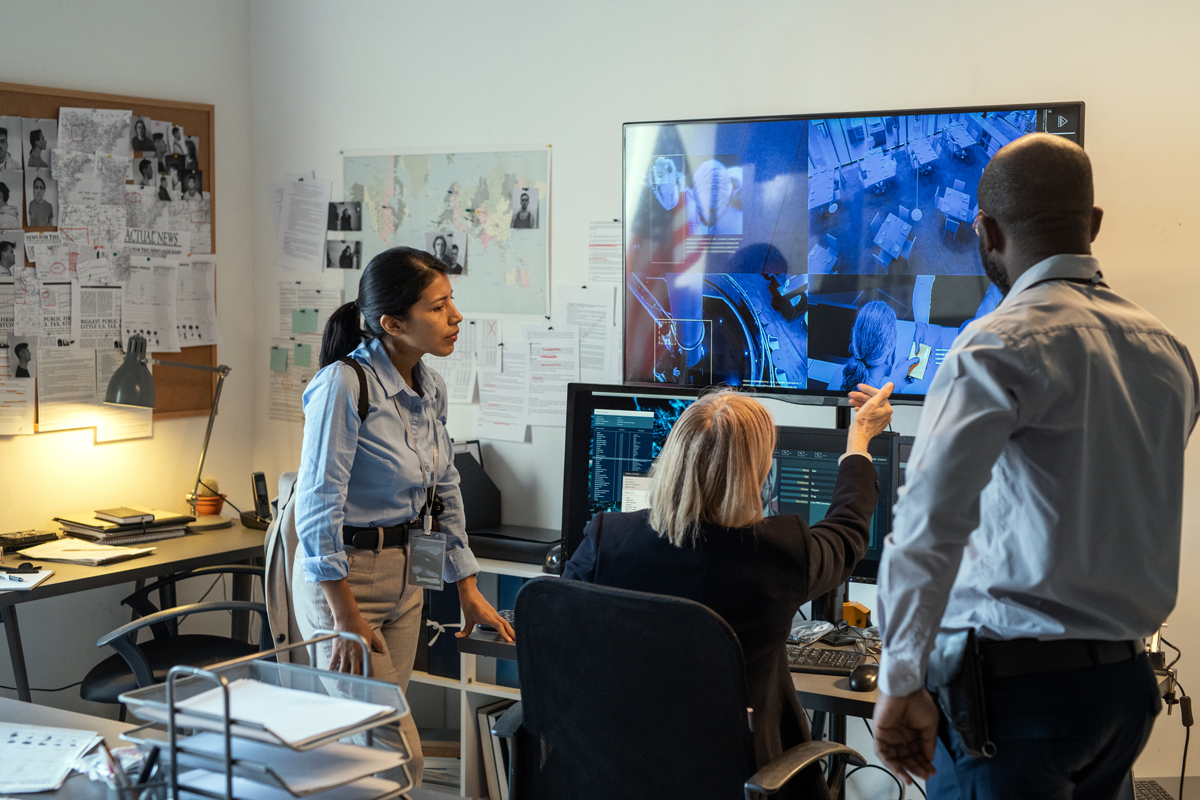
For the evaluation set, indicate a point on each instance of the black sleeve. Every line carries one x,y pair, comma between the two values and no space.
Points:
582,566
837,542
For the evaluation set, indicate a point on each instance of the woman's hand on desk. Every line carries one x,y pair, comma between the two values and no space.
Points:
347,655
477,610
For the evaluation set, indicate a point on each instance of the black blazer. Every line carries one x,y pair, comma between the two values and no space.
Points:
756,578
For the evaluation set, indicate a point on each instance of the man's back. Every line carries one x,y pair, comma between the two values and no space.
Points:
1078,532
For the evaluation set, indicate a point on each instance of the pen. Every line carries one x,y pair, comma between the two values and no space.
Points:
17,578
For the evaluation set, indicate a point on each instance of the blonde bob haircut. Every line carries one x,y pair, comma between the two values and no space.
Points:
712,467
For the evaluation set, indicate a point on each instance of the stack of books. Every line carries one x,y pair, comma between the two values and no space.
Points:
124,525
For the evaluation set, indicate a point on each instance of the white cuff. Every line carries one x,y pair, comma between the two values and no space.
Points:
847,454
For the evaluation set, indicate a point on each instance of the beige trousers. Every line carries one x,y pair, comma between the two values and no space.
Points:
391,607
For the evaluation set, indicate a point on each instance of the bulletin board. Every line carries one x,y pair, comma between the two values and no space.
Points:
180,392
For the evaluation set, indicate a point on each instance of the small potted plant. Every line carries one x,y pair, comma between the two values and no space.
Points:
209,501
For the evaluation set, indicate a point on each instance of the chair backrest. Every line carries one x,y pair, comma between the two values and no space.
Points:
951,228
832,242
959,185
905,214
627,694
876,224
907,248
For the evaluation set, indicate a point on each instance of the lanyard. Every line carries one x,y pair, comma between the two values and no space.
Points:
427,511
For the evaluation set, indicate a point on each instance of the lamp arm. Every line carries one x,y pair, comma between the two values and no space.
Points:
208,432
222,369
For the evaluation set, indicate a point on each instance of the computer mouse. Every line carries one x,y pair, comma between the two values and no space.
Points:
553,564
864,678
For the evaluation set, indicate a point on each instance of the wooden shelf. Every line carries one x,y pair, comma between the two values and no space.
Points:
436,680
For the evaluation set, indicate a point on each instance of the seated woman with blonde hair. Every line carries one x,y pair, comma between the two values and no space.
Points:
704,538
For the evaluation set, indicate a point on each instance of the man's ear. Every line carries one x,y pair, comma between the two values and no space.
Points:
1097,217
991,234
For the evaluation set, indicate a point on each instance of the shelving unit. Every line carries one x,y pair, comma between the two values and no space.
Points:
474,692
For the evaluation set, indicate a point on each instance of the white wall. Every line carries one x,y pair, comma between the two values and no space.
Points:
172,50
378,68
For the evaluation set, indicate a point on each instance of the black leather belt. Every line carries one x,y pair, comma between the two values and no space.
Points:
368,538
1009,659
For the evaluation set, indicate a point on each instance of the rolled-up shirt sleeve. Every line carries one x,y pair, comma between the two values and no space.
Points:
460,561
971,411
330,441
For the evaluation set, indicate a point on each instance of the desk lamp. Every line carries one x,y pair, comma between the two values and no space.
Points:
133,385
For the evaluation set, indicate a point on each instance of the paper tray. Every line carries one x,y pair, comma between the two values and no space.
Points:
256,762
150,702
201,783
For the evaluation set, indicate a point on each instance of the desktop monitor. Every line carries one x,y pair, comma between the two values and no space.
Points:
802,254
614,434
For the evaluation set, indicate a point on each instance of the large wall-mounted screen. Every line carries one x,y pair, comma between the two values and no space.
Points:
806,254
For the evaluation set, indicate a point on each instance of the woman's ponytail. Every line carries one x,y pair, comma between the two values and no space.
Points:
342,334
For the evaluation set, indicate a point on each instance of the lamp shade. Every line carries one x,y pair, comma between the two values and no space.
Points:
132,383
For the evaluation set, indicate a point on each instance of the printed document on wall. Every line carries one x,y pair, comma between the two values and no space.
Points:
6,308
604,252
195,302
117,423
553,363
300,243
503,404
486,338
148,304
60,318
100,316
287,382
66,388
27,304
591,310
458,371
304,308
16,398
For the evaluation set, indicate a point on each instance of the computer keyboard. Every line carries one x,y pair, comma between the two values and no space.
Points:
822,660
506,614
1150,790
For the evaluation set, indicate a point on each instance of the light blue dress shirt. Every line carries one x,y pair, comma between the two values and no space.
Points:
370,474
1045,489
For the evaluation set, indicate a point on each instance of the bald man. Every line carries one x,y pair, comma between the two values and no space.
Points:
1042,510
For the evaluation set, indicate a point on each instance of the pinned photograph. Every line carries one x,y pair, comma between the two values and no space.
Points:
12,253
144,170
41,193
22,356
446,249
173,173
140,140
160,135
192,157
10,142
38,137
11,188
525,203
345,216
342,254
175,142
192,183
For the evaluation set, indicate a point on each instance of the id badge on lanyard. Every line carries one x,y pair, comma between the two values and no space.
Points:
426,548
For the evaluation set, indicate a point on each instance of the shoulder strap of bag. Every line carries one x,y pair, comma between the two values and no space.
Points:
364,404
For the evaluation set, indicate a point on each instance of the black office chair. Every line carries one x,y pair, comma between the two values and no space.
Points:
628,694
139,665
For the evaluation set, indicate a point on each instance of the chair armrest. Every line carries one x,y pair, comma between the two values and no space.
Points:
781,769
509,723
183,611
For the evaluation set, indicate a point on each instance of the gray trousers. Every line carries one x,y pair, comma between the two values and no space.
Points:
393,610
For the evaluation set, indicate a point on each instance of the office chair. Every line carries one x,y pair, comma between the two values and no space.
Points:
138,665
629,694
951,231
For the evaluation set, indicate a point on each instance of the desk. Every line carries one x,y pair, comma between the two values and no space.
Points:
820,190
959,136
207,549
923,154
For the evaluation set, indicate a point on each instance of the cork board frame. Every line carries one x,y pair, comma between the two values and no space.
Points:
180,392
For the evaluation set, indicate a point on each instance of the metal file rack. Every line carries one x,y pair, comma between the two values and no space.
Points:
160,704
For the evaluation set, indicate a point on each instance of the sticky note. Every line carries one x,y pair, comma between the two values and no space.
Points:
304,320
303,355
278,359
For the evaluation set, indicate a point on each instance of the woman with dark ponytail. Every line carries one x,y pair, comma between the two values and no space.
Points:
367,485
873,348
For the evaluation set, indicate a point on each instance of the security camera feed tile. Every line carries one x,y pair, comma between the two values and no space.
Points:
807,254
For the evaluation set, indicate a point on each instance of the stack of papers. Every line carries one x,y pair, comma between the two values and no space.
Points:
364,789
34,758
74,551
152,525
287,716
